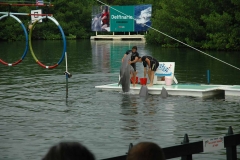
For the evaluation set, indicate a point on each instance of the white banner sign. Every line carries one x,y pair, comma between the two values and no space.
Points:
213,144
35,15
164,69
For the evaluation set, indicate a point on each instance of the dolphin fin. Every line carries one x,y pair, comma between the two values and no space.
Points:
143,91
164,93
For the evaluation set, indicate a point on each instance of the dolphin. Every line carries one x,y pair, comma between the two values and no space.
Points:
96,23
143,91
164,93
125,74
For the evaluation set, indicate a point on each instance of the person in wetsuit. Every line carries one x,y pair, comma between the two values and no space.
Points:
133,61
152,64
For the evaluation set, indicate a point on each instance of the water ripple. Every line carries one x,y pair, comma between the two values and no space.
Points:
35,113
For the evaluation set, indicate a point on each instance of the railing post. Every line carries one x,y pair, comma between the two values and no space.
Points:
231,151
130,147
208,76
185,141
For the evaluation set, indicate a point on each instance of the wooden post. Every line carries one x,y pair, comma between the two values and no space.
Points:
231,151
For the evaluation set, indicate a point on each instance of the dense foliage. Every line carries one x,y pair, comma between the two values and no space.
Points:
206,24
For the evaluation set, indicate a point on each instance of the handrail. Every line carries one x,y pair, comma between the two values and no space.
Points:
186,150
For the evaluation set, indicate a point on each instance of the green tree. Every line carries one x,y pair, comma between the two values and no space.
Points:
200,23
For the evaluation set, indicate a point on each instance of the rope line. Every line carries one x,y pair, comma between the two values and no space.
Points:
174,38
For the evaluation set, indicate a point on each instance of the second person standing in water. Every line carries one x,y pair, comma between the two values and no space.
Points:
152,64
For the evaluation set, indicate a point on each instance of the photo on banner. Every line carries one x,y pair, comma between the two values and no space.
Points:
100,18
142,16
121,18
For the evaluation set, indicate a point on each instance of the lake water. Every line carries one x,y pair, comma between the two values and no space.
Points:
35,113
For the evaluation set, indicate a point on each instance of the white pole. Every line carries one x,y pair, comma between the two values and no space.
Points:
67,74
21,14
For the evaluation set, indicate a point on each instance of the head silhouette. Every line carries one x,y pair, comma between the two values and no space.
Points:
146,151
69,151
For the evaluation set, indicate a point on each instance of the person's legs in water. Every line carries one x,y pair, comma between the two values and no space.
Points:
134,74
149,72
153,67
151,77
134,78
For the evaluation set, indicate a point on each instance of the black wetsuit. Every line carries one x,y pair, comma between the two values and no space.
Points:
134,55
153,62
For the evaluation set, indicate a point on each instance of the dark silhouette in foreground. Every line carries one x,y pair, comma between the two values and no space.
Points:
69,151
146,151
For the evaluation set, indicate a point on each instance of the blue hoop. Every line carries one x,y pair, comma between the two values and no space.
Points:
26,37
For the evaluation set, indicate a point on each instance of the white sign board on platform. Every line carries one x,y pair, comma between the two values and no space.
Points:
35,15
213,144
164,69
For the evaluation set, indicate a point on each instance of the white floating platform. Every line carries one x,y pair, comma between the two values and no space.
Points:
231,90
118,37
193,90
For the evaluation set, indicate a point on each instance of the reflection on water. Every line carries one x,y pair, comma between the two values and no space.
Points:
130,124
191,66
100,56
126,109
34,113
107,55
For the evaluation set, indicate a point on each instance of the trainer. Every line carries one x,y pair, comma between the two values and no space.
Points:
133,61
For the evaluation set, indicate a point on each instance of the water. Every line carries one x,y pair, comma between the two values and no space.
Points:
35,114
